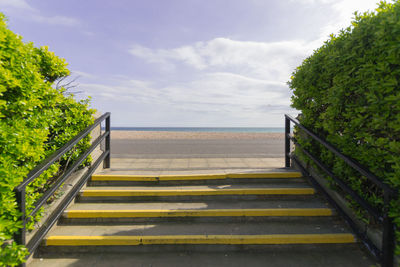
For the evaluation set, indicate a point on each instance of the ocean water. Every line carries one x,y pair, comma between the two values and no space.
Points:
205,129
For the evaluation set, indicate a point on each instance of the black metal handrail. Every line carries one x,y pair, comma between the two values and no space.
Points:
385,253
20,190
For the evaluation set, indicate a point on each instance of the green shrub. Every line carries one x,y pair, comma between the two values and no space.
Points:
349,93
35,120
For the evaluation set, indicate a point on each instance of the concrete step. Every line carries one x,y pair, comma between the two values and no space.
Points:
191,179
108,213
168,193
281,225
331,255
135,214
196,237
312,202
256,239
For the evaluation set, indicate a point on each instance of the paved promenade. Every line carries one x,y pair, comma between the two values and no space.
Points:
166,165
159,153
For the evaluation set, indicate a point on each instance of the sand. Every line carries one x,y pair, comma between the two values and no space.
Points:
160,135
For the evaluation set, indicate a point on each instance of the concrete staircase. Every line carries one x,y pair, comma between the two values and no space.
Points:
258,219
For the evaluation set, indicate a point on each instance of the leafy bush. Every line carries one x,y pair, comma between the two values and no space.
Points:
35,120
349,93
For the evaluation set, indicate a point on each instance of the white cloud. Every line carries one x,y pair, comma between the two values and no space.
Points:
20,4
146,53
123,91
241,100
56,20
344,13
241,81
21,9
214,88
311,2
271,61
186,54
226,92
82,74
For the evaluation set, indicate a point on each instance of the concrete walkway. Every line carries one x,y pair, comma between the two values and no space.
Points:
193,164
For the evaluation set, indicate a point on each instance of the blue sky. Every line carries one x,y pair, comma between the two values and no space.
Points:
192,63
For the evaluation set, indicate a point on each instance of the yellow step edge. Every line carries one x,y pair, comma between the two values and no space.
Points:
153,178
265,175
192,177
196,192
124,178
200,239
196,213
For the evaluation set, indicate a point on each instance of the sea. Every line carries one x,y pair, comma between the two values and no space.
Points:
205,129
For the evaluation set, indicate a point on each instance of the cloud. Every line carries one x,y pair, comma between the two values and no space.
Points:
83,74
56,20
21,9
165,57
241,81
226,92
262,60
212,99
311,2
346,9
123,91
343,10
211,94
19,4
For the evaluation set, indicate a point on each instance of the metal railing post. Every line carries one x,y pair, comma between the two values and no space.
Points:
20,236
388,239
287,142
108,138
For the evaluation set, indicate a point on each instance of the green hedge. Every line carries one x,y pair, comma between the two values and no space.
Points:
35,120
348,92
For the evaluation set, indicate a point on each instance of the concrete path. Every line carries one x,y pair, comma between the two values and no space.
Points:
164,165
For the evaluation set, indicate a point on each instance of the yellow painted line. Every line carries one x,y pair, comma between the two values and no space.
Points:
192,177
200,239
265,175
142,178
153,178
196,213
133,178
93,241
197,192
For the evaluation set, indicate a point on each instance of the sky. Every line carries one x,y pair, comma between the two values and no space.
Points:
183,63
